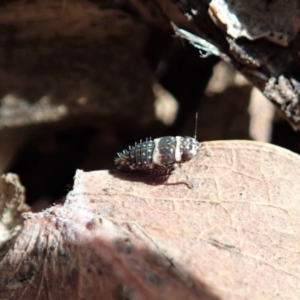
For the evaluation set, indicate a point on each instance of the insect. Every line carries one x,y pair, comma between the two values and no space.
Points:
159,156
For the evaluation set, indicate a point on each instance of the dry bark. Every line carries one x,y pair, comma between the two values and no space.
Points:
259,38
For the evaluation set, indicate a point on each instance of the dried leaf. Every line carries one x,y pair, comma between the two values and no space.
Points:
234,235
12,205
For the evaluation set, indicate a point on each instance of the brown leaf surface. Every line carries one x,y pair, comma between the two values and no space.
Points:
234,235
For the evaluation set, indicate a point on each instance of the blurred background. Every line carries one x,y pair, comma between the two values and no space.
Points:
81,80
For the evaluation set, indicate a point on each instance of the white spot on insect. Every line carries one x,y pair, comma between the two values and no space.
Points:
155,156
177,149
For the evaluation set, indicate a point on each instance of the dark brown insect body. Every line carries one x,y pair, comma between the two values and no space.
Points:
159,156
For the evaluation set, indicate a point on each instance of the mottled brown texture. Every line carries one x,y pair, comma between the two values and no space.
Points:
66,60
12,205
68,67
117,236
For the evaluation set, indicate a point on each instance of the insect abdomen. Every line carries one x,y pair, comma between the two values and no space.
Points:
138,157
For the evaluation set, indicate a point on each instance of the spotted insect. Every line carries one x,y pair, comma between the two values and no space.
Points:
159,156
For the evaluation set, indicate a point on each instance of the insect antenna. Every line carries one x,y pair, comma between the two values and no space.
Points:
196,126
